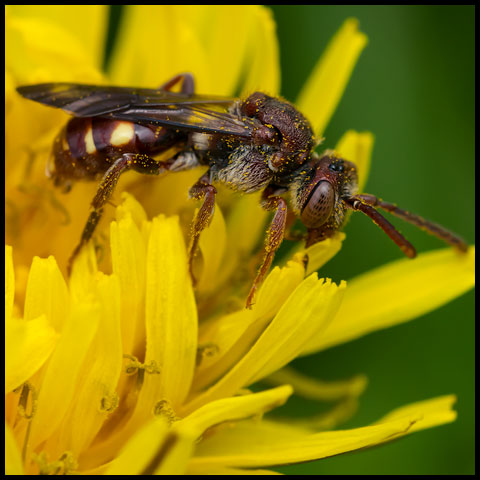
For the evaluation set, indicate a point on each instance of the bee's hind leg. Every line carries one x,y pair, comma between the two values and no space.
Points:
188,83
128,161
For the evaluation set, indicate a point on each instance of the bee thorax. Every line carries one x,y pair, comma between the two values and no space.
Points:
246,170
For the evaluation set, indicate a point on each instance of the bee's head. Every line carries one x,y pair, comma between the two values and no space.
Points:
318,189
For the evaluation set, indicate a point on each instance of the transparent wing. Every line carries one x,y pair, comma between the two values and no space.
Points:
142,105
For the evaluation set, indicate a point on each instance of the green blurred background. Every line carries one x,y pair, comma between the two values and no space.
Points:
414,89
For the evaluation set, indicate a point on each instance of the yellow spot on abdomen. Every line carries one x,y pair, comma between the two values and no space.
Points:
89,143
124,132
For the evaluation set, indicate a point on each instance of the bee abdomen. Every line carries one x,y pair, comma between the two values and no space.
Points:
86,147
75,155
88,136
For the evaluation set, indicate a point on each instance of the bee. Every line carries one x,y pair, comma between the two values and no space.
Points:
258,143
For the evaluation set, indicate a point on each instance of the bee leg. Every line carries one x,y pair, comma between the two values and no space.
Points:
316,235
137,162
188,83
275,235
290,234
202,189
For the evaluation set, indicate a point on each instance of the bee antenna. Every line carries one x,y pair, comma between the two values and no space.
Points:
426,225
356,203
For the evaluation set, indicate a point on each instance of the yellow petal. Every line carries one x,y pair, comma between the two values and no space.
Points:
324,88
9,282
39,49
315,389
212,244
131,207
27,346
170,330
196,469
171,317
319,254
153,450
234,408
60,378
269,448
213,24
308,309
329,419
246,222
249,444
181,48
398,292
128,264
47,293
88,23
222,342
176,460
193,39
434,412
262,65
83,275
13,460
357,148
95,395
230,336
277,287
9,93
245,225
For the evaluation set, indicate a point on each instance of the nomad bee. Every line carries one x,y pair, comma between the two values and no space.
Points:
259,143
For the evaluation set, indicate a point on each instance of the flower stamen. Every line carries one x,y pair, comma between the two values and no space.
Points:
28,391
65,465
164,409
135,367
207,350
109,402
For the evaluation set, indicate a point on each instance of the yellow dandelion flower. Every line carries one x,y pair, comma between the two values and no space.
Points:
166,406
134,372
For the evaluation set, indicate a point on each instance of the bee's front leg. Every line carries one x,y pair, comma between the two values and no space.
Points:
202,189
275,235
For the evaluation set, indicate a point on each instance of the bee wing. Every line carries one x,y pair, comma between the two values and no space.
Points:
142,105
199,118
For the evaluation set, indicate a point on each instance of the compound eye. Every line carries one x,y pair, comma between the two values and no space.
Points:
319,205
337,166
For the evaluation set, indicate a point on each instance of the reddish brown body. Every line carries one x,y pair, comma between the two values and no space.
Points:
87,147
260,143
